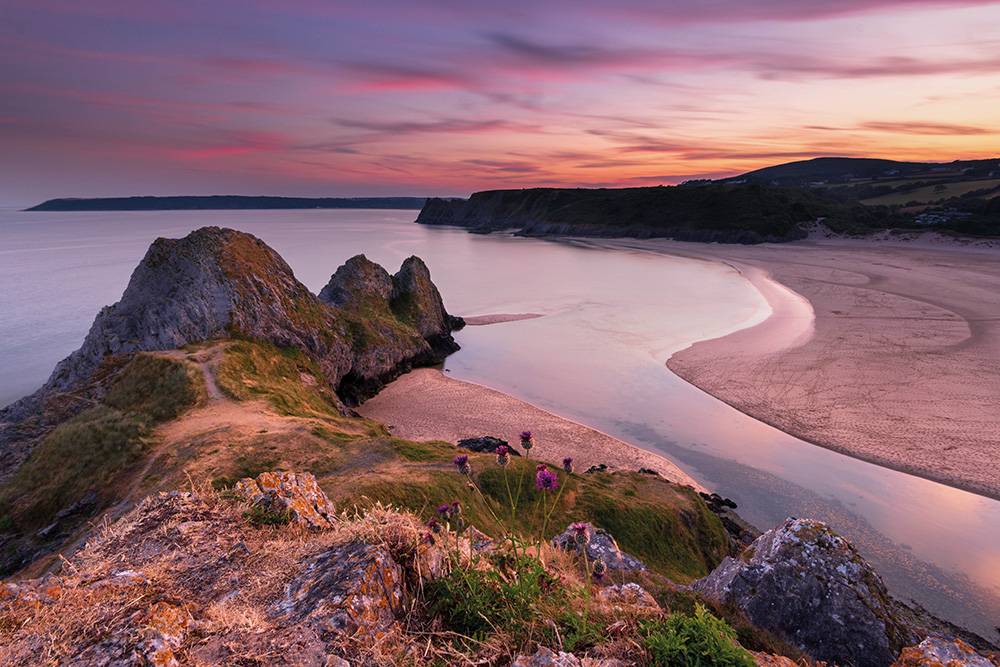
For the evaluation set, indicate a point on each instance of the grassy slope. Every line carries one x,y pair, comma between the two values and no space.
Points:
93,451
359,462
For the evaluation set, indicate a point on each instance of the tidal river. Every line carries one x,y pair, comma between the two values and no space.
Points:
611,319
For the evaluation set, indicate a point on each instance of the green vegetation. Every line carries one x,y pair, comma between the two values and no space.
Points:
285,377
156,387
698,640
666,526
91,451
507,591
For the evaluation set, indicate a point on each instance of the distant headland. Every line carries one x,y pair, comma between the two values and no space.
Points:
224,202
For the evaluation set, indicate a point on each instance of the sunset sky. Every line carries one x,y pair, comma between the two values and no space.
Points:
121,97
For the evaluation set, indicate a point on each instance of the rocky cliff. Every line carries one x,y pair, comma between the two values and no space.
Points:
713,213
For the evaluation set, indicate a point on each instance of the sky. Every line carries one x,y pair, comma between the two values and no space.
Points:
410,97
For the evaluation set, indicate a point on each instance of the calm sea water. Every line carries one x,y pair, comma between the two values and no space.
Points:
612,318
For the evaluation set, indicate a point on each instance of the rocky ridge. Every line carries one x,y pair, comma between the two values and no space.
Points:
220,283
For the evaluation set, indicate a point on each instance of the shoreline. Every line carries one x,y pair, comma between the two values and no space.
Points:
791,378
425,404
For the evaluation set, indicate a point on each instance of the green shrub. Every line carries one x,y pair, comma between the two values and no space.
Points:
476,601
699,640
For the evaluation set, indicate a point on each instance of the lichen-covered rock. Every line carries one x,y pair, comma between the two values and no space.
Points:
810,586
359,281
940,652
629,597
165,631
296,494
354,588
600,545
545,657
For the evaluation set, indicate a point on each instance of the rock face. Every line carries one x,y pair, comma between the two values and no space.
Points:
600,545
296,494
939,652
810,586
394,322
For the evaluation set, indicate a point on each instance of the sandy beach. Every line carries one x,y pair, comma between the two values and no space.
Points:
427,405
898,362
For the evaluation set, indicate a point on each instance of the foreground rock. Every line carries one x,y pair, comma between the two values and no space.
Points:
810,586
600,545
545,657
486,443
940,652
185,579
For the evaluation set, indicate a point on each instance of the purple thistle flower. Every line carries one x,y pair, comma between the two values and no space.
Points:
462,463
545,480
503,455
600,569
568,464
444,510
456,507
434,525
527,442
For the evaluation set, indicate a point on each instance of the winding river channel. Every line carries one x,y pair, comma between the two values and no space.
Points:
611,320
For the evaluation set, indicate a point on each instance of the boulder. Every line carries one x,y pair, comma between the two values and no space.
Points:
355,588
601,545
940,652
486,443
770,660
298,494
810,586
629,597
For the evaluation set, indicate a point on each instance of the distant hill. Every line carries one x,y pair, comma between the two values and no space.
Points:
713,212
225,202
842,170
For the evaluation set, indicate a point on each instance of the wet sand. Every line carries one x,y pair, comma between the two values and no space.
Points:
427,405
499,318
899,366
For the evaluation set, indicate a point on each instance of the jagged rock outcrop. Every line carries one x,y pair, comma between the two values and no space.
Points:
366,328
296,495
941,652
807,584
600,545
394,322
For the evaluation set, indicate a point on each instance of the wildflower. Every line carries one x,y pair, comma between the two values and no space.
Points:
600,569
462,463
444,511
434,525
581,532
456,508
429,538
503,455
527,442
568,464
545,479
